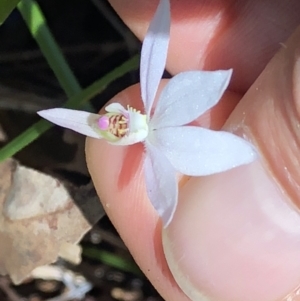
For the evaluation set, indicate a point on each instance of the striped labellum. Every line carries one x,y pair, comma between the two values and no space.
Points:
116,124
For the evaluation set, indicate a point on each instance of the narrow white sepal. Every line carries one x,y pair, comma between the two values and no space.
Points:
197,151
188,95
78,121
154,53
161,183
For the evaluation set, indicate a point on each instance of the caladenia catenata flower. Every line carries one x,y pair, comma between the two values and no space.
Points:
171,145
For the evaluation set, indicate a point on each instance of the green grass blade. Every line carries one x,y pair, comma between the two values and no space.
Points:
112,260
38,28
36,130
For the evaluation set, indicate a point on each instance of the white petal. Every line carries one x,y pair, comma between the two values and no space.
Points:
115,107
161,183
188,95
78,121
197,151
154,53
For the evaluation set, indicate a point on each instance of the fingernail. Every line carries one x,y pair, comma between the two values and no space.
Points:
234,236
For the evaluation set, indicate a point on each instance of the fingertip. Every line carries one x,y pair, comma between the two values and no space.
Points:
240,229
117,173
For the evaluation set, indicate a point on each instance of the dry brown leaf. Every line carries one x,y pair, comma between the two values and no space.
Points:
40,219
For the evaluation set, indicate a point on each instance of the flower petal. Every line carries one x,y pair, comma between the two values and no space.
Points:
161,183
115,107
197,151
78,121
188,95
154,53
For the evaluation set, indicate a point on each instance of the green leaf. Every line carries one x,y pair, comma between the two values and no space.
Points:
6,7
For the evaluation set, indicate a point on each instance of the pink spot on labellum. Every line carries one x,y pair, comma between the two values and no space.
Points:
103,123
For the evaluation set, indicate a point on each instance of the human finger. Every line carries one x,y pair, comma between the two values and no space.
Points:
236,235
222,34
117,173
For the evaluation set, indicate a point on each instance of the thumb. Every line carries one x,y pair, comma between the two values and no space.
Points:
236,235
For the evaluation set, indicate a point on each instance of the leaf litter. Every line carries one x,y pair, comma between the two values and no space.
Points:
39,225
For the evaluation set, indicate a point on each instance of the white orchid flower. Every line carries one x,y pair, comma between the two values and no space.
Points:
171,145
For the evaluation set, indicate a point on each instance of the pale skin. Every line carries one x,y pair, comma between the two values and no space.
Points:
214,212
